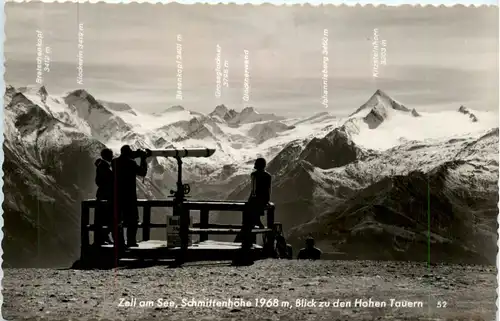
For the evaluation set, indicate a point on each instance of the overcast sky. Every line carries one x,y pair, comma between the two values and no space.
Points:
437,58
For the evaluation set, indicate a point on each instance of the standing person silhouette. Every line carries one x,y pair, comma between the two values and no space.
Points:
104,210
125,171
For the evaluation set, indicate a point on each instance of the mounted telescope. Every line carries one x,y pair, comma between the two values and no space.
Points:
178,154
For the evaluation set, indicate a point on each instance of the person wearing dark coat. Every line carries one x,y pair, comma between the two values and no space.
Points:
104,211
310,252
260,195
125,171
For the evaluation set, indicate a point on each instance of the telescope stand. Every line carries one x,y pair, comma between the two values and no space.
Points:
180,210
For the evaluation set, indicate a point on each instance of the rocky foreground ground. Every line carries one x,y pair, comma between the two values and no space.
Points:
281,288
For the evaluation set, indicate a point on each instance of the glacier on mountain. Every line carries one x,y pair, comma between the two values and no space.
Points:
320,163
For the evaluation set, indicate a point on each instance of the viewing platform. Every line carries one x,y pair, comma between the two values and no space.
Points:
183,250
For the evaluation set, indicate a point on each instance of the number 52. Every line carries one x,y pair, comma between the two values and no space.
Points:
441,304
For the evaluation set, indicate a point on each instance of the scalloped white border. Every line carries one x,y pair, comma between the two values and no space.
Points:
2,93
417,4
343,3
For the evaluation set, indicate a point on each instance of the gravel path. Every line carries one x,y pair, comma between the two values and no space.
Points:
45,294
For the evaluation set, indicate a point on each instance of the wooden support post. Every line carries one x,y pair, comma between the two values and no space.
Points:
184,230
271,236
84,232
270,217
184,233
204,224
146,222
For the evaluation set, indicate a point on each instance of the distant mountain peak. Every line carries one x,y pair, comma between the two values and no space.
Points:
380,107
220,109
336,149
43,91
78,93
250,115
381,100
10,91
247,115
29,117
464,110
39,90
224,113
377,97
175,108
249,110
85,95
381,93
121,107
90,103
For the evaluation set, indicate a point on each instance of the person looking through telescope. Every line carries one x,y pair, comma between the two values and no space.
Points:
125,197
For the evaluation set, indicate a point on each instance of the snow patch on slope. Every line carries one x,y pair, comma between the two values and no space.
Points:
382,123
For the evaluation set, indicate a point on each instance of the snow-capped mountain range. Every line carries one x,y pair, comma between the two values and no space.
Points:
319,162
239,136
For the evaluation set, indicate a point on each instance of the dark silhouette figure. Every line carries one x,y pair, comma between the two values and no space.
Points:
104,210
260,195
283,250
125,171
310,252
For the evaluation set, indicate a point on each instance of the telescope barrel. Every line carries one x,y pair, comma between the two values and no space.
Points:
183,152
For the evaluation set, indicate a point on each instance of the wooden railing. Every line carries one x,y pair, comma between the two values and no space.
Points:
204,228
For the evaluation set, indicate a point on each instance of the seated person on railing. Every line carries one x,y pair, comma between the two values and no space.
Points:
260,195
104,212
125,170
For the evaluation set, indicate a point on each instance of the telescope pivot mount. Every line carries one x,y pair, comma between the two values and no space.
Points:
178,154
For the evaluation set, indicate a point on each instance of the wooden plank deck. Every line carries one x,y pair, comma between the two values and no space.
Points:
222,231
144,245
152,245
203,251
216,245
